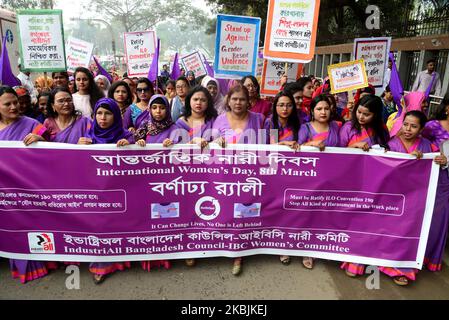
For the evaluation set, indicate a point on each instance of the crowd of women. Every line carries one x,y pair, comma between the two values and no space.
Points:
88,110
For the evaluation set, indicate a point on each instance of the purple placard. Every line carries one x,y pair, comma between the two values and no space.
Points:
100,203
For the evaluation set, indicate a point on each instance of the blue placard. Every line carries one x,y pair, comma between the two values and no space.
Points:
221,72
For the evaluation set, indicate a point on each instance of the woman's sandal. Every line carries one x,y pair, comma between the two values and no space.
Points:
190,262
285,260
237,267
401,280
350,274
99,278
307,262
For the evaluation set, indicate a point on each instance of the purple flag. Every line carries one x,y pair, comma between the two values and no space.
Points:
7,77
396,85
102,71
153,72
209,69
176,71
427,93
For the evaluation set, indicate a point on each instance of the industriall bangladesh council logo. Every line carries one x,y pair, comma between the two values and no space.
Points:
41,242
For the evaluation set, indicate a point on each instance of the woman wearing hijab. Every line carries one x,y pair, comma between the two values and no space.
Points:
103,83
107,128
213,86
190,75
159,126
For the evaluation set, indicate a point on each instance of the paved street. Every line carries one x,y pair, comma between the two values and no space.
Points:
263,277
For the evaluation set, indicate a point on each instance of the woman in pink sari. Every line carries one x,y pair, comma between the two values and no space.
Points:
14,127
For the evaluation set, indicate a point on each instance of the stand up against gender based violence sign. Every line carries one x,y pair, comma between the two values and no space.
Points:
374,51
347,76
194,62
79,53
156,203
291,30
41,40
140,48
272,73
236,46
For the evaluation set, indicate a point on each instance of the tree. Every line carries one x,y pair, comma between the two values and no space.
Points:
27,4
137,15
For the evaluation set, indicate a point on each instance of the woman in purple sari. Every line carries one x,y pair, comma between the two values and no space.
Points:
408,140
437,131
321,131
107,128
64,123
14,127
282,128
195,125
364,130
239,126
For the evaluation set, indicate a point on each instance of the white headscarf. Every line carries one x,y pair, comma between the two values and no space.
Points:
218,100
106,81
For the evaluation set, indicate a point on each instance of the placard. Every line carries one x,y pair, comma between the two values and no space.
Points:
236,46
374,51
291,30
347,76
140,48
78,53
194,62
41,40
272,73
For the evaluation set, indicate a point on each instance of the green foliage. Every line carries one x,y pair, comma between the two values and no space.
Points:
27,4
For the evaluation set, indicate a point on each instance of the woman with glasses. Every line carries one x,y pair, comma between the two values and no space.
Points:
86,92
256,103
137,112
64,123
178,103
15,127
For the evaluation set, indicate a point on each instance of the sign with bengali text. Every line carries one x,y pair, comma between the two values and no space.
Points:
41,40
291,30
347,76
194,62
140,48
272,73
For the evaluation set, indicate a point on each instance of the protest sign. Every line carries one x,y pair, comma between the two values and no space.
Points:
41,40
140,48
347,76
78,53
272,73
194,62
291,30
374,51
236,46
151,203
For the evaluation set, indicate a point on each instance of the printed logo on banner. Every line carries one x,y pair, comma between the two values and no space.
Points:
41,242
207,208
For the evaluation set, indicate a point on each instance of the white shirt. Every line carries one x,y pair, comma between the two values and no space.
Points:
423,81
82,104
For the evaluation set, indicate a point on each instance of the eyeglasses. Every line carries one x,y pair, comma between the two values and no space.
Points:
181,87
283,105
62,101
143,89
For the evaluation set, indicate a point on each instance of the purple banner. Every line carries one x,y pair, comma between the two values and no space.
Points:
100,203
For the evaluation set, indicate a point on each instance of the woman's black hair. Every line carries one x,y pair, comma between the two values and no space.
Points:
440,112
210,113
115,85
94,92
8,89
172,82
419,115
318,99
148,83
293,87
51,101
303,81
182,78
293,119
255,82
373,104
